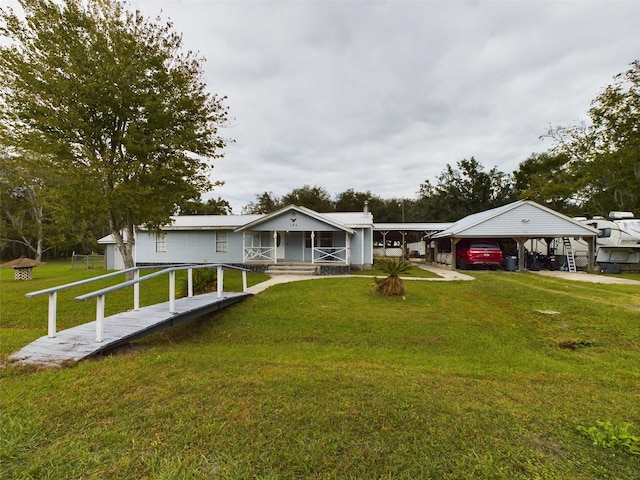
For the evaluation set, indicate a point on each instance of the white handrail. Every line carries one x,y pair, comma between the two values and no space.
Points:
100,294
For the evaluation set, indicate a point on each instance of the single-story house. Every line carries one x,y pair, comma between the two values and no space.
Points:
520,221
292,234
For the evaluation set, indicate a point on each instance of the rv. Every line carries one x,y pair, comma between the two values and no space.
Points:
618,244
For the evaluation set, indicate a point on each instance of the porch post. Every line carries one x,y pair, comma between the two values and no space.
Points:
275,247
313,246
347,242
244,248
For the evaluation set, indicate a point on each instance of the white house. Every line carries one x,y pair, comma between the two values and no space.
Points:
292,234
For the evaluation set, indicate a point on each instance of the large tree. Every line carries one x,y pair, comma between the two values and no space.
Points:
116,104
545,178
465,190
604,154
316,198
266,202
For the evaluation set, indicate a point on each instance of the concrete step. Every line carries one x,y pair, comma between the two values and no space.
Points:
301,270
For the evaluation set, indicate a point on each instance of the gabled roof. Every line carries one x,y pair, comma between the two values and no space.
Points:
523,218
328,218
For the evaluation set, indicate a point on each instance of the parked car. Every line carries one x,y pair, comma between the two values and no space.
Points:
484,253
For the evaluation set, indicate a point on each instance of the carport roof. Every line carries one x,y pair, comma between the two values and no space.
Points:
521,219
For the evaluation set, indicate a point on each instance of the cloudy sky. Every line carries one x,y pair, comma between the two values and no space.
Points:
381,96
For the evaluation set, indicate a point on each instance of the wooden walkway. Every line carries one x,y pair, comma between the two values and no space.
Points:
79,342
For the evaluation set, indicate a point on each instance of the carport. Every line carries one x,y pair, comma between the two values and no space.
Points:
520,221
389,239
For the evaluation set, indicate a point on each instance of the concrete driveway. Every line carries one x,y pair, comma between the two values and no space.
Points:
587,277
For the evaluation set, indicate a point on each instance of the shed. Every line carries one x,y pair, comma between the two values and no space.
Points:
520,221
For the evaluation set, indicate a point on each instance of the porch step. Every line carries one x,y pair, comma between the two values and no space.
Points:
292,269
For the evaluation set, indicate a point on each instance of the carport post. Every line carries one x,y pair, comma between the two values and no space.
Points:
520,252
453,253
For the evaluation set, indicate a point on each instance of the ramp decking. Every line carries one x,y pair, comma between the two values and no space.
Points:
79,342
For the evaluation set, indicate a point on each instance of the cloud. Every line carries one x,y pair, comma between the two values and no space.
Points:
381,96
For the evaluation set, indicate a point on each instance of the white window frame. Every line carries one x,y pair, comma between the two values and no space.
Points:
222,241
161,242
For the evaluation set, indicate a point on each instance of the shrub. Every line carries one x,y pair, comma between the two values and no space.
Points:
392,284
205,280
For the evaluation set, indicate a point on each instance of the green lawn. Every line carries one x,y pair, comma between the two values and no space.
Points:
323,379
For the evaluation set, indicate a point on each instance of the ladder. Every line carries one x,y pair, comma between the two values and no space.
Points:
568,251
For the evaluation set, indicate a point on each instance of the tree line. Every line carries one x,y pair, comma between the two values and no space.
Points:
106,124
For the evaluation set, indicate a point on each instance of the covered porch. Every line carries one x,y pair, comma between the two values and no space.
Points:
296,234
296,246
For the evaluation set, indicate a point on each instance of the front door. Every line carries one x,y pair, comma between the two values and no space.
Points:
280,245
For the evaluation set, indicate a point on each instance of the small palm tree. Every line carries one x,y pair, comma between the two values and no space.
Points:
392,284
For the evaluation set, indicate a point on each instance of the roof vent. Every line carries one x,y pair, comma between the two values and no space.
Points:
366,207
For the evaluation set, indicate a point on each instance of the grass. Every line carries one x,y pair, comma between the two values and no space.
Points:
323,379
415,272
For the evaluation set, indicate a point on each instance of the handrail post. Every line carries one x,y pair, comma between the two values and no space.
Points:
99,318
52,315
172,291
220,280
190,282
244,281
136,291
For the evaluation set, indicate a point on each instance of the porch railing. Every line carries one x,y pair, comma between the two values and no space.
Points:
259,253
329,254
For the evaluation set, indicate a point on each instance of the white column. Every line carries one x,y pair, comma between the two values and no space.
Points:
136,291
313,246
275,247
172,291
244,281
220,280
52,315
99,318
190,282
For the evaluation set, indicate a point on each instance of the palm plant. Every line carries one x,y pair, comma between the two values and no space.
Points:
392,284
204,281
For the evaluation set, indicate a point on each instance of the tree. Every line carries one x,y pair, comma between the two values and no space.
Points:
212,206
466,190
316,198
352,201
544,178
266,202
111,99
604,155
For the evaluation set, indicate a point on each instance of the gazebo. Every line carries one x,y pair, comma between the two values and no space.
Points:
22,267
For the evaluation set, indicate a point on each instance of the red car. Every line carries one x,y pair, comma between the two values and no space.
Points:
485,253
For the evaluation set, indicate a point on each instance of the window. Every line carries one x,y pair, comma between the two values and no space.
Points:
161,242
221,242
323,239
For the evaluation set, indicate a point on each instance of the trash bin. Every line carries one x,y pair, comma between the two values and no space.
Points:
511,263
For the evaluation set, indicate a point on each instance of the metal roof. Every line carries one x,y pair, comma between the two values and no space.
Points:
328,218
523,218
411,227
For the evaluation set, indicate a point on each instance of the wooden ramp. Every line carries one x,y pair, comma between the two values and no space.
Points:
79,342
